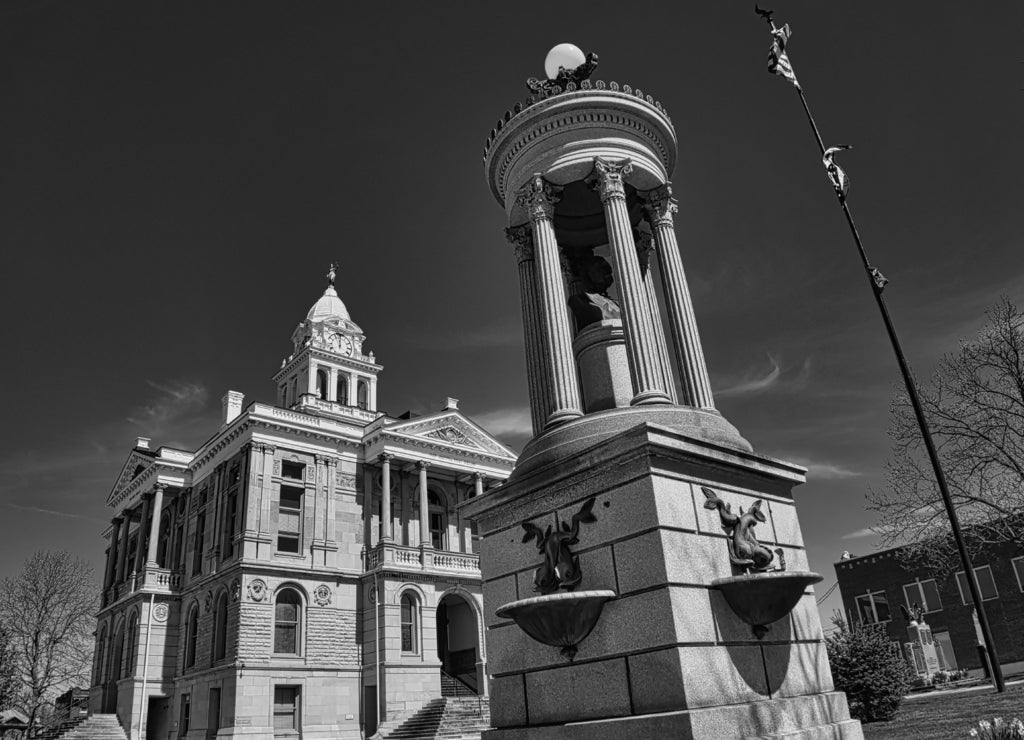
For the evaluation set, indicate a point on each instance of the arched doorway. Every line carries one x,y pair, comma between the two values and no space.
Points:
457,645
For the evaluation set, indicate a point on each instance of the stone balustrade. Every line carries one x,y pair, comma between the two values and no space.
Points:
388,554
149,580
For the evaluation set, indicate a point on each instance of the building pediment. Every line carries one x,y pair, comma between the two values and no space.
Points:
136,464
451,429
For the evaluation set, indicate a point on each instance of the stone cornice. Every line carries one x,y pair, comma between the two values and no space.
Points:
361,363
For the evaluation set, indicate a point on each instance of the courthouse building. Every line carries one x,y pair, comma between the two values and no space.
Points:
306,570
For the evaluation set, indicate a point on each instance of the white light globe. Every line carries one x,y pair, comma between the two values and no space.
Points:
569,56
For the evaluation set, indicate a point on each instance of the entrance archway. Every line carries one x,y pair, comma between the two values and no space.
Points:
458,646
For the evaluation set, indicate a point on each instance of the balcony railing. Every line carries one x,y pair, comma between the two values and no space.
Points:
388,554
150,580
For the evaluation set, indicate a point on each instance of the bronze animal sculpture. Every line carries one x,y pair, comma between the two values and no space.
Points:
561,568
744,549
914,614
565,77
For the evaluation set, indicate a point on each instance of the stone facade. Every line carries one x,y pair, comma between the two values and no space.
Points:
242,579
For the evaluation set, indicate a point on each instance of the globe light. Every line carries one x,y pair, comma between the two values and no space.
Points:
569,56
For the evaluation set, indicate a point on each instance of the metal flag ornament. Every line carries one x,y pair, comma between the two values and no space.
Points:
841,184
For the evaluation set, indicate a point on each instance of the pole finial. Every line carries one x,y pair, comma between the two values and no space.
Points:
766,14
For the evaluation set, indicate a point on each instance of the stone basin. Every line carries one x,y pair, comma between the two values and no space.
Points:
561,620
762,598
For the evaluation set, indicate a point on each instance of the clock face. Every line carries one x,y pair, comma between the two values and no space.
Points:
345,346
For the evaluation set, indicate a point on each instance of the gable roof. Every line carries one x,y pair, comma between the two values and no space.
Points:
451,428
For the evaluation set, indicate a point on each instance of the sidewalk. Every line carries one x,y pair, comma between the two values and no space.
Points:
964,690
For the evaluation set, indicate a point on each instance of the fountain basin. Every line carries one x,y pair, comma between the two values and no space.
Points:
762,598
562,620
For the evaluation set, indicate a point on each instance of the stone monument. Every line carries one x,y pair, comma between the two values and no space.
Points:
644,570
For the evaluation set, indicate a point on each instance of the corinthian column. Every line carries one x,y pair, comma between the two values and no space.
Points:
424,505
536,373
644,253
385,496
563,401
689,355
649,382
154,527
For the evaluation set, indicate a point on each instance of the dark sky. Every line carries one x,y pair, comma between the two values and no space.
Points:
176,177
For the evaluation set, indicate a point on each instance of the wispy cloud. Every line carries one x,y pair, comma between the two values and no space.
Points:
484,337
757,380
858,534
174,400
824,469
508,422
52,512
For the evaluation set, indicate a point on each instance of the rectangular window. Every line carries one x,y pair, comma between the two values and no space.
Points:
986,584
289,519
230,522
213,716
873,608
186,714
197,556
286,709
293,470
924,593
1018,569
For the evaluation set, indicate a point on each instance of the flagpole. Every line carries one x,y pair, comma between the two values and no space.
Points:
915,401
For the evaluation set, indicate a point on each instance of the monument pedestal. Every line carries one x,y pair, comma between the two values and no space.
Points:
668,657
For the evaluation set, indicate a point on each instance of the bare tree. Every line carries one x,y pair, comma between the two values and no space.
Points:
8,670
975,406
48,612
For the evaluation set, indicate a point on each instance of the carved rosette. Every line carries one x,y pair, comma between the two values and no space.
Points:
609,178
661,206
161,612
521,238
538,197
257,589
322,595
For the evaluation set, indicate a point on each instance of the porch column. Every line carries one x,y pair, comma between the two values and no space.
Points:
331,392
649,383
115,542
424,505
311,386
122,550
385,497
536,368
140,544
154,527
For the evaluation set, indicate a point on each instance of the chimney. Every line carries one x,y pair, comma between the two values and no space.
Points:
232,405
451,404
142,443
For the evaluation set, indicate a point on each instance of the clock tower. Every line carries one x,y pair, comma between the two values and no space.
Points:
328,372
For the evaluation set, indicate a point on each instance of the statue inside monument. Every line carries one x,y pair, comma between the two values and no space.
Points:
594,304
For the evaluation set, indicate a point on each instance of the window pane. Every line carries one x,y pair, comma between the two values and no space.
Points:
286,611
284,638
864,610
287,543
931,596
965,592
407,638
292,470
881,606
1018,568
291,498
986,582
406,609
912,595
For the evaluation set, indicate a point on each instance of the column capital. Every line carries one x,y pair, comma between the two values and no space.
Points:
477,475
609,178
322,459
660,205
385,457
538,197
422,464
159,487
521,238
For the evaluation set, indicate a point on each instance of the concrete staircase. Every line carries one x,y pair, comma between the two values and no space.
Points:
449,718
93,727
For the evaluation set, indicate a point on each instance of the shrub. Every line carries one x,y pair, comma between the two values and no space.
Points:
998,730
866,666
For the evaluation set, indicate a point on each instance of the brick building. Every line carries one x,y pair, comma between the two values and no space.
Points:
262,585
873,586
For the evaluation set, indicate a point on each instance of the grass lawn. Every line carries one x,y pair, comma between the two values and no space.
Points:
942,716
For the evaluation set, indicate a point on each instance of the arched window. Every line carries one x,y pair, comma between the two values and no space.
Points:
438,521
288,622
191,636
343,390
220,628
321,384
363,390
410,624
116,654
132,649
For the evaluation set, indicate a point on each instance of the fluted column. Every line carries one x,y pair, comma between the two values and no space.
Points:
385,497
521,238
424,505
141,543
644,253
564,403
112,553
122,550
649,383
689,354
154,526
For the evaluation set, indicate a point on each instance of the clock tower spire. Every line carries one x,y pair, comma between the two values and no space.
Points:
328,372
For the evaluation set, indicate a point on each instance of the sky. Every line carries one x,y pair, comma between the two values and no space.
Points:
176,178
